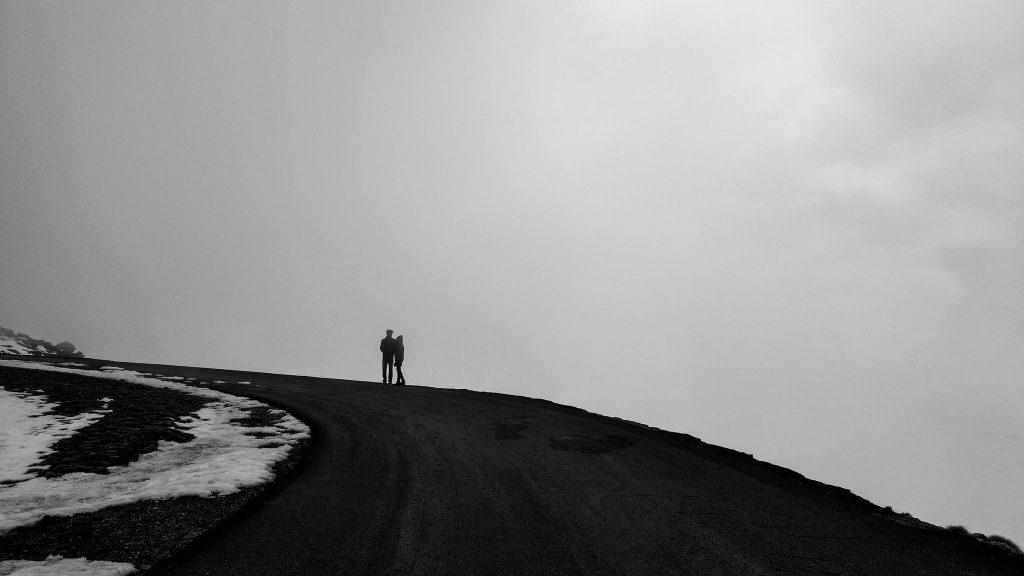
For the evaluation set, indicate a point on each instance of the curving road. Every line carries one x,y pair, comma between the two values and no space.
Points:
420,480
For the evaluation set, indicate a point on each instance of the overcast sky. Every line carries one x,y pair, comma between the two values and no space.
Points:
792,228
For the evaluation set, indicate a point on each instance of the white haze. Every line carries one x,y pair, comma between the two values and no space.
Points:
792,228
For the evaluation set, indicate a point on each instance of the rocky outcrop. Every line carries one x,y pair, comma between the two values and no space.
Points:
12,342
67,349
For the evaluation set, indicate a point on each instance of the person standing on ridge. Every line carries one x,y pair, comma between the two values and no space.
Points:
387,361
399,358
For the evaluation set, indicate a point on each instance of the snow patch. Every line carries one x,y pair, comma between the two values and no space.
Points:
28,430
12,346
58,565
222,458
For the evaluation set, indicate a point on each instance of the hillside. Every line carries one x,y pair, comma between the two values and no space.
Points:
417,480
12,342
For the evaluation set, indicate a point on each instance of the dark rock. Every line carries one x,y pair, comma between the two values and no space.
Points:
67,350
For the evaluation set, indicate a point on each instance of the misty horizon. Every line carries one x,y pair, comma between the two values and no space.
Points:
794,230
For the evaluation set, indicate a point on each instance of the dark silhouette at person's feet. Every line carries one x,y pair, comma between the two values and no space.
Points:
387,361
399,358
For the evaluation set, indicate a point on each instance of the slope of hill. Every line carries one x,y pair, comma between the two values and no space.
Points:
12,342
417,480
103,470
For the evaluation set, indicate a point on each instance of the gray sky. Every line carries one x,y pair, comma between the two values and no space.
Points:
792,228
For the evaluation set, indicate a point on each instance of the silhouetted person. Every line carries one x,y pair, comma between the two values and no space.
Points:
387,361
399,358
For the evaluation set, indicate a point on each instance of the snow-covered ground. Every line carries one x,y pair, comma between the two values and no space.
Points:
9,345
58,566
12,342
223,457
28,429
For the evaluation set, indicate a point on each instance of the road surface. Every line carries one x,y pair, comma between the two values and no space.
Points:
416,480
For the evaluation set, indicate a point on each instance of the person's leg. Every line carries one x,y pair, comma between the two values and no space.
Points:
384,370
401,377
391,365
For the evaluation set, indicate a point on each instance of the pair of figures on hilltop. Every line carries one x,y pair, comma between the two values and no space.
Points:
393,350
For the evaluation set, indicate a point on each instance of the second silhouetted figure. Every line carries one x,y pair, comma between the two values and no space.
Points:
399,358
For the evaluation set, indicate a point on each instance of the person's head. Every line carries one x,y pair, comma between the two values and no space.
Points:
399,337
390,332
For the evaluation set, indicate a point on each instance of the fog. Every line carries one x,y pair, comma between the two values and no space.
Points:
795,229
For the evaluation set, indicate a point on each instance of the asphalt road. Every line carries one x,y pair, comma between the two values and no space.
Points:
415,480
